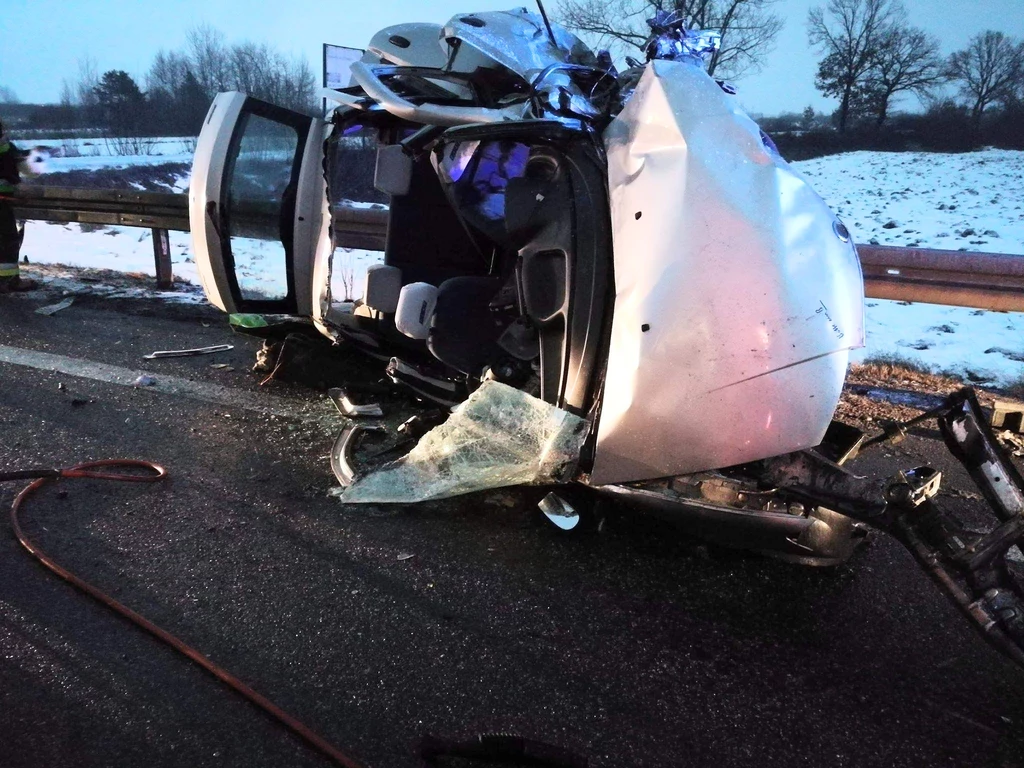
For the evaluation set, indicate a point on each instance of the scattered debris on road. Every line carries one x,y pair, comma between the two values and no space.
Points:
346,407
188,352
52,309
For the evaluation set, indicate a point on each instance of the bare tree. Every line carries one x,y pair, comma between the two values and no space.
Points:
208,58
8,96
267,74
167,73
78,99
300,87
906,60
748,27
849,33
85,86
988,71
253,68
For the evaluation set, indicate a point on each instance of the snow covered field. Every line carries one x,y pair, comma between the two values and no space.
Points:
98,153
972,201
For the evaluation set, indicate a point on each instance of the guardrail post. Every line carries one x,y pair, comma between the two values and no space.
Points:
162,257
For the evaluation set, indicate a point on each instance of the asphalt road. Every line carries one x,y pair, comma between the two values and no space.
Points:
635,646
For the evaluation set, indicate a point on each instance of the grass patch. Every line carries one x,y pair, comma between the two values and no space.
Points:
893,363
900,372
1015,388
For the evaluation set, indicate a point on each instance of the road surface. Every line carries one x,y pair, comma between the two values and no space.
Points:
635,647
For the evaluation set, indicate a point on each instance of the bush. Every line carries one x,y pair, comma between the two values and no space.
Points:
893,362
945,127
131,146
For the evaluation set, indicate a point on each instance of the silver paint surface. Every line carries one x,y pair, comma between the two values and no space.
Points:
728,258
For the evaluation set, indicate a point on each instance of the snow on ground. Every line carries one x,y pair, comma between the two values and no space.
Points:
98,153
128,249
972,202
125,249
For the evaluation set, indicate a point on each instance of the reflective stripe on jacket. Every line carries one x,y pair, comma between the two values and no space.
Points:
9,270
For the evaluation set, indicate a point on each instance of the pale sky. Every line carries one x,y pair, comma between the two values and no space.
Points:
42,40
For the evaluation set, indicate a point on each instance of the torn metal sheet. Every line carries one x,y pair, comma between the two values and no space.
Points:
344,445
671,40
499,437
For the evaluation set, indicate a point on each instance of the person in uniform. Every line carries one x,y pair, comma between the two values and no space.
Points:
10,234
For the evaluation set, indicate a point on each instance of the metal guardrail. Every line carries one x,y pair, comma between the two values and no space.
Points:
152,210
959,278
993,281
161,212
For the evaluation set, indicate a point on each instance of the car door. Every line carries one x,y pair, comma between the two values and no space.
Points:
258,206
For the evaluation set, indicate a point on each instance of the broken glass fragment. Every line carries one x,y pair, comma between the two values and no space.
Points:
497,438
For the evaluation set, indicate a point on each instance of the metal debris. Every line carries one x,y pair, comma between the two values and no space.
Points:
346,407
53,309
188,352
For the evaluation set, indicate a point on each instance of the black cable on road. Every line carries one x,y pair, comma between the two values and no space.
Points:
149,473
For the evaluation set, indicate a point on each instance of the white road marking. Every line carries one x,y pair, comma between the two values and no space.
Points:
317,412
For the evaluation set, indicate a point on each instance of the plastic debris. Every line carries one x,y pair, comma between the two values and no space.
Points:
497,438
1008,415
188,352
346,407
247,320
53,309
145,380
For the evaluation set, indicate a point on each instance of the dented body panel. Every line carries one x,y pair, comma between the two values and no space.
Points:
736,303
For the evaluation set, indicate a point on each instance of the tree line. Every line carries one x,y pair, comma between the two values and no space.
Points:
176,92
870,56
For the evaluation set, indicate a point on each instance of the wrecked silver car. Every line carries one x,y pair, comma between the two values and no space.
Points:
612,278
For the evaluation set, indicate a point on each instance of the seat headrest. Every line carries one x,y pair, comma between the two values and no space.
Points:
416,305
383,286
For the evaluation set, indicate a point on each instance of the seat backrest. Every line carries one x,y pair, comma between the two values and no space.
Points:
416,304
465,331
383,288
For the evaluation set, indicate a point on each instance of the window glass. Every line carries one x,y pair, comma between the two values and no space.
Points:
261,207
